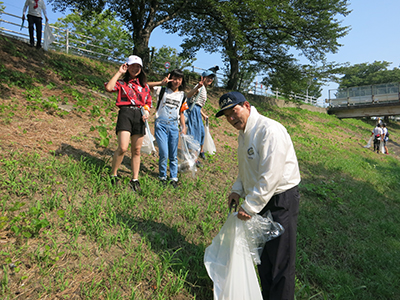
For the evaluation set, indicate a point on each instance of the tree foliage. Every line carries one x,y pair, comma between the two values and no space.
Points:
367,74
261,35
99,33
2,7
140,17
168,54
265,33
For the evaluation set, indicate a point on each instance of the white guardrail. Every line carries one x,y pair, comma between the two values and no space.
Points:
66,43
62,43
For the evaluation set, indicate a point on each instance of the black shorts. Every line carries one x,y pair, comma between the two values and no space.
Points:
130,119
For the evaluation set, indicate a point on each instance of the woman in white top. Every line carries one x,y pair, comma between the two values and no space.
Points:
169,114
36,7
195,113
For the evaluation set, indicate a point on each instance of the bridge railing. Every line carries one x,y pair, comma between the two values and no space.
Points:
365,95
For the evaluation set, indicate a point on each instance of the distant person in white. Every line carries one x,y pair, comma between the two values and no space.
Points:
36,7
377,133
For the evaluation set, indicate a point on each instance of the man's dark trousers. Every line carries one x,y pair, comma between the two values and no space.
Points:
37,22
277,268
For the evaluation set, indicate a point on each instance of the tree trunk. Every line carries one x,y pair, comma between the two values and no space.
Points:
234,74
141,47
231,50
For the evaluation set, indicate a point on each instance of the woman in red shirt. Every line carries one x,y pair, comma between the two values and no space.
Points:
133,94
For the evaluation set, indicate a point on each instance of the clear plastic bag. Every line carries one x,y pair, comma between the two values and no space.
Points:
382,146
368,145
209,145
259,230
188,152
48,37
229,264
148,142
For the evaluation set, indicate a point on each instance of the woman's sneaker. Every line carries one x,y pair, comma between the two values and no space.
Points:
174,183
114,179
135,185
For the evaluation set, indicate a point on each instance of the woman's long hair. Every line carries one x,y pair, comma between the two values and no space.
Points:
142,77
177,73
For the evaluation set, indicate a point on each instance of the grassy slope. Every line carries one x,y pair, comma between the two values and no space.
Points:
67,234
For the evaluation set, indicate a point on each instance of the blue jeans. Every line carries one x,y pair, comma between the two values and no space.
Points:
167,135
195,126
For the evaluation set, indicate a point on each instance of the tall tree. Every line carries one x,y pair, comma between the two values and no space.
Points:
264,32
140,17
367,74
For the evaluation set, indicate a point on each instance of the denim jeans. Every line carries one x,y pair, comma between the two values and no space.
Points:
195,126
167,135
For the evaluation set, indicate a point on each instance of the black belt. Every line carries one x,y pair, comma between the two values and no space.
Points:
132,106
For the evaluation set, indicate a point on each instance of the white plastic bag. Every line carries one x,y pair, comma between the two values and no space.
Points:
48,37
148,142
209,145
188,151
229,264
368,145
382,146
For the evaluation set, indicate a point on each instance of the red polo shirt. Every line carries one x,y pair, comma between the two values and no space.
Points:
132,93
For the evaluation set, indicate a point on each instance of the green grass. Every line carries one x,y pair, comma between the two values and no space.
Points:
67,233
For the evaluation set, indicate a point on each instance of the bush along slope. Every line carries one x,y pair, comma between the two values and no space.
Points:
67,233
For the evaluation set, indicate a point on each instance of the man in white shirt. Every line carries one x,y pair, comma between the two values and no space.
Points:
377,133
268,180
35,9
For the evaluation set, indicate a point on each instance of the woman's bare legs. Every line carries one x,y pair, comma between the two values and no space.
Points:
136,145
123,144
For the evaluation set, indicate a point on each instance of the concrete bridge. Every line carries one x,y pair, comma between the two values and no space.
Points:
365,101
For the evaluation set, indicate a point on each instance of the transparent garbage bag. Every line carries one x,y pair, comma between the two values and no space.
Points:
229,263
148,139
148,142
382,147
259,230
369,144
188,151
48,37
209,145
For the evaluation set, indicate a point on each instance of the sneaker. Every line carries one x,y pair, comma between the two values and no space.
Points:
202,155
115,179
198,164
135,185
163,181
174,184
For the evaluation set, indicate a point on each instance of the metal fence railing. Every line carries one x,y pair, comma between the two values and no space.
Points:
66,40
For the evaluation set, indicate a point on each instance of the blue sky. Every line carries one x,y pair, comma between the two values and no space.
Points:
373,35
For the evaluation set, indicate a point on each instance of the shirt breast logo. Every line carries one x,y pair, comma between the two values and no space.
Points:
250,152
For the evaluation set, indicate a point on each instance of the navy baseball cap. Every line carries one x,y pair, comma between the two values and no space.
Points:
229,100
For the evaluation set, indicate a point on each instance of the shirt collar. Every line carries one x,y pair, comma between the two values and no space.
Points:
252,119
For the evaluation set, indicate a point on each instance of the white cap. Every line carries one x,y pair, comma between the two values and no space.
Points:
133,59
